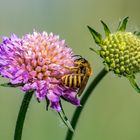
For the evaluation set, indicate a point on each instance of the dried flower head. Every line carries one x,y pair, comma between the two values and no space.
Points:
120,51
37,62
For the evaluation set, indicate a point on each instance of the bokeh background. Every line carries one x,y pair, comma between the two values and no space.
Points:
113,110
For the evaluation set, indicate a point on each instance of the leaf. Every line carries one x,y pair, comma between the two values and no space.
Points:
122,24
137,33
97,37
65,119
10,85
96,51
133,83
106,29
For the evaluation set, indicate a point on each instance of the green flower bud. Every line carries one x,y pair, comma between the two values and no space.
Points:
125,46
120,51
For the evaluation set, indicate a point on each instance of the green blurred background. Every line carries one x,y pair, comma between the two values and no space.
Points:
113,110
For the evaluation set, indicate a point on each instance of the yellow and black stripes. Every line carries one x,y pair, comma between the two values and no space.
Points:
72,80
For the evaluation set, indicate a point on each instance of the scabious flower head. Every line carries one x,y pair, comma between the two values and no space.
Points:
120,50
37,62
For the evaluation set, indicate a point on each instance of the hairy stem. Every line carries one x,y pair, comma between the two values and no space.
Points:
21,116
84,99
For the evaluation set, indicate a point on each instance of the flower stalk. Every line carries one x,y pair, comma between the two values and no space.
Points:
22,114
84,100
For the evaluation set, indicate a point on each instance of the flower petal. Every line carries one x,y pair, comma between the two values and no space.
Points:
71,97
56,106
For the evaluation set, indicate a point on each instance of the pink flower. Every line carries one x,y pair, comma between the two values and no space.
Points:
37,62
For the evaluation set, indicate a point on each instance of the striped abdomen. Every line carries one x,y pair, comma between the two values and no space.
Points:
72,80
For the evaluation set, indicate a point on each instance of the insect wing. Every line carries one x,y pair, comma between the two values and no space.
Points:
83,85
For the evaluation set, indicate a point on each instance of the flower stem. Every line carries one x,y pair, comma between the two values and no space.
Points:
84,99
21,116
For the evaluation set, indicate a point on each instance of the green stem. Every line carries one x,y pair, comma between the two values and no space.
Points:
84,99
21,116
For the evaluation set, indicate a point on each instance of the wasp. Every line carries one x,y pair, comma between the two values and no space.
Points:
80,75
